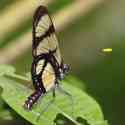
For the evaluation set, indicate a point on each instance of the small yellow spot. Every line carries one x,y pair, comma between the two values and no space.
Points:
107,50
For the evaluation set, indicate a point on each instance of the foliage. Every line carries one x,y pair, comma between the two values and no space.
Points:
80,109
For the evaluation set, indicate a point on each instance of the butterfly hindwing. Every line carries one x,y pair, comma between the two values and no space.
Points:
48,77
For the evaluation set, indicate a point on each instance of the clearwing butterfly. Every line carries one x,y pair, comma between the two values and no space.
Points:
47,66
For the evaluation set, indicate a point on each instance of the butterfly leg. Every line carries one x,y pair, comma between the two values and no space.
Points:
48,105
60,89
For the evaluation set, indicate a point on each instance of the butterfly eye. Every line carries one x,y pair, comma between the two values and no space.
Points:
66,68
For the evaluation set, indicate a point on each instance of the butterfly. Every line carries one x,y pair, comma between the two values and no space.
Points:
47,66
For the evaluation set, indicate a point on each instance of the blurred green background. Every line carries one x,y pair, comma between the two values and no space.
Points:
81,44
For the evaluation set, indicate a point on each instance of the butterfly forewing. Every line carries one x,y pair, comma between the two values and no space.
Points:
44,36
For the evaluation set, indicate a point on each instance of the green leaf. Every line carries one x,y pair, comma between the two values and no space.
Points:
75,82
5,113
6,70
14,94
83,107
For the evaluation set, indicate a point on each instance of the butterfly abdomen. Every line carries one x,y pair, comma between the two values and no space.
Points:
32,99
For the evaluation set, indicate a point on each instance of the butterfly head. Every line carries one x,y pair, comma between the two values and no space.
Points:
64,70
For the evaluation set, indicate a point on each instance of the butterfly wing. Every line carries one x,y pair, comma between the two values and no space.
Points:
44,74
44,36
